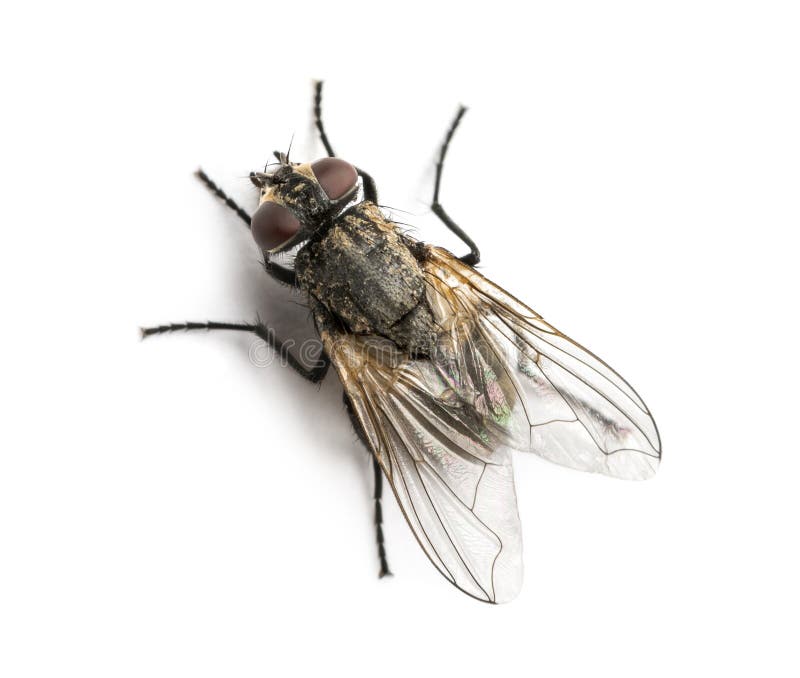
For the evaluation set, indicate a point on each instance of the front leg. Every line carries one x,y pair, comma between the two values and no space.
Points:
284,275
276,271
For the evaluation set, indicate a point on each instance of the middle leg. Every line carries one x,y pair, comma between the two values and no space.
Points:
314,374
474,255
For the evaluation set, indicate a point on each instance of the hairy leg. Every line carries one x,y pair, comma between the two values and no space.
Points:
377,495
276,271
474,255
314,374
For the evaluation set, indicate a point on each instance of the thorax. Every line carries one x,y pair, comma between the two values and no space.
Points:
365,274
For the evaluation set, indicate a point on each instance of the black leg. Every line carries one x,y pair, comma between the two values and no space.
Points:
280,273
315,374
474,255
378,474
367,182
217,191
378,479
318,119
368,185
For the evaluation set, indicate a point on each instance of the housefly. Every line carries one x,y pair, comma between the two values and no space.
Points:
444,372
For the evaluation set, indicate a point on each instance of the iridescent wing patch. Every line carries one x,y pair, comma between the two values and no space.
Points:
573,409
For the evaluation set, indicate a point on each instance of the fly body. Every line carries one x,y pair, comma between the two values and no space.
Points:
444,372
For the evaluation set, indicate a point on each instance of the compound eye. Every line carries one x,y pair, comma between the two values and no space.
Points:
336,177
273,225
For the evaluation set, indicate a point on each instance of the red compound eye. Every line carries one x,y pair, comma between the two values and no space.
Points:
336,176
273,225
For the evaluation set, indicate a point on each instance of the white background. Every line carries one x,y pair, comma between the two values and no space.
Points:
630,169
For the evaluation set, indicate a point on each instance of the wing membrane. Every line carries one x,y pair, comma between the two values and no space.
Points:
451,475
442,427
577,410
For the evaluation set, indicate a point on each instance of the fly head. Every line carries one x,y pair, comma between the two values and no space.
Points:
299,198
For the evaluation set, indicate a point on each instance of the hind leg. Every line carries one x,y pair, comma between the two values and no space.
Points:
377,495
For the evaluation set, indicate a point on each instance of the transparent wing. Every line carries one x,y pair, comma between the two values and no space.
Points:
448,469
441,427
568,406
